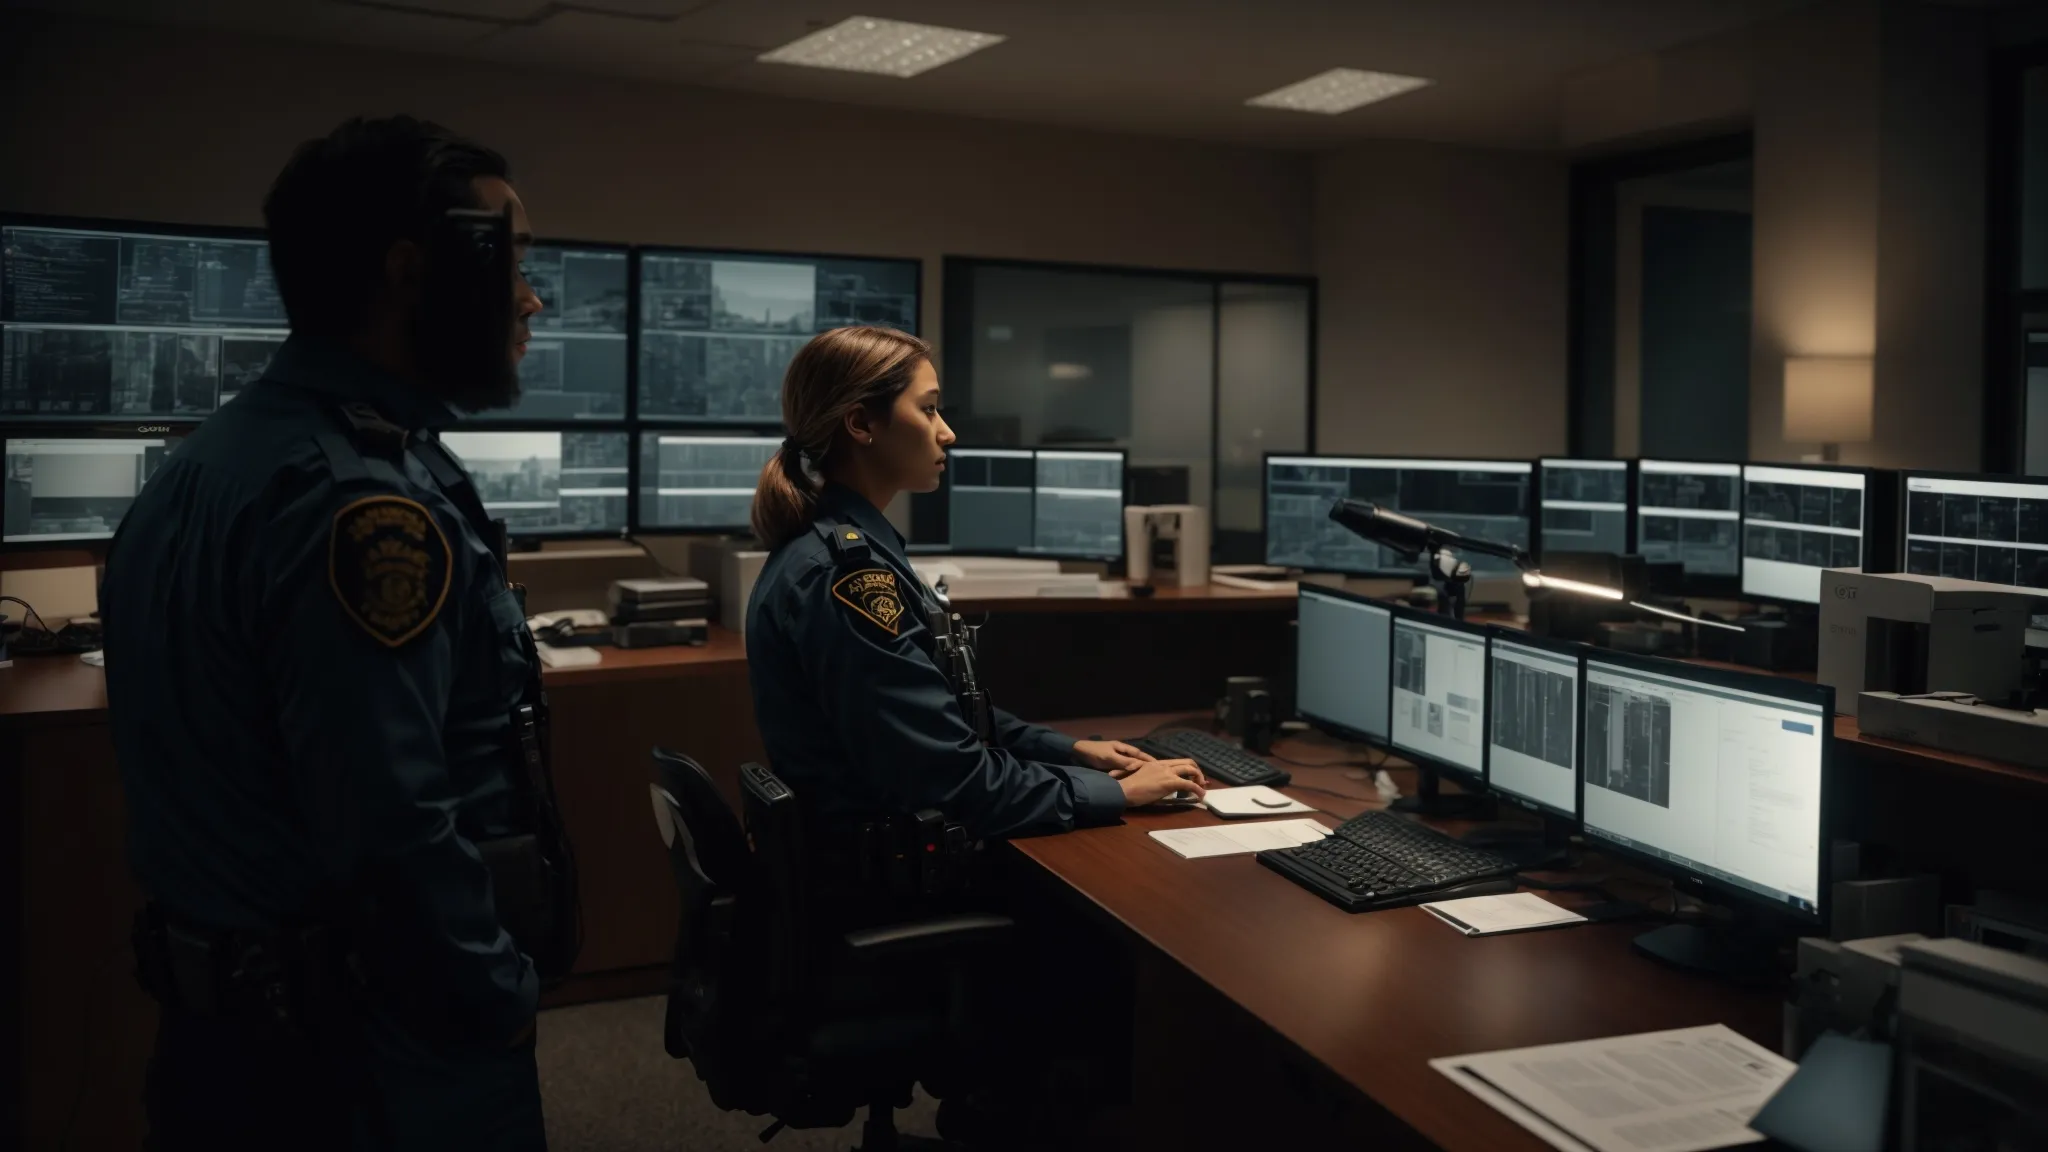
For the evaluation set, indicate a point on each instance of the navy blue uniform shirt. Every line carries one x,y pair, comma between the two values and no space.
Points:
312,662
857,718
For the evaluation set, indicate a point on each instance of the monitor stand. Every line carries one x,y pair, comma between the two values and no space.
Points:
1431,801
1539,847
1742,952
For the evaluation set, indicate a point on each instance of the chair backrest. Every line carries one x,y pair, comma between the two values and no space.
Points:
714,873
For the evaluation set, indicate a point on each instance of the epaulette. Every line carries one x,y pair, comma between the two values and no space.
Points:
372,429
848,544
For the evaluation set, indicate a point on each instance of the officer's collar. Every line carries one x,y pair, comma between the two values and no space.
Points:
324,366
839,500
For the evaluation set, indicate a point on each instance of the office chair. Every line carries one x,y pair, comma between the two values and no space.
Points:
780,1016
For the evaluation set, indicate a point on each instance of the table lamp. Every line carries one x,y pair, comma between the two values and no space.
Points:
1828,401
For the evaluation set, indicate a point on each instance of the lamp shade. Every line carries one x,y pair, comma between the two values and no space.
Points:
1828,399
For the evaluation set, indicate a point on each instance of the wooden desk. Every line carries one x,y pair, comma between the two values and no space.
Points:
1371,997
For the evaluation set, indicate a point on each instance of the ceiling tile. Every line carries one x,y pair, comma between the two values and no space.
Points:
581,42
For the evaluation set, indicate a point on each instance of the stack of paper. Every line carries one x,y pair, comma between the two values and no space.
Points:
1514,912
1686,1090
1236,839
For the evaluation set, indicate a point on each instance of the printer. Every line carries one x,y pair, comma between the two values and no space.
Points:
1911,635
1167,540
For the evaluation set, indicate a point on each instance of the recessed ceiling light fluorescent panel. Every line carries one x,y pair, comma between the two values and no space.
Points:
1337,91
881,47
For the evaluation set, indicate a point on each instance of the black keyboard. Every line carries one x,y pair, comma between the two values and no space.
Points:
1381,860
1220,760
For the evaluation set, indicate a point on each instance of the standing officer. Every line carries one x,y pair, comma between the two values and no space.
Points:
324,698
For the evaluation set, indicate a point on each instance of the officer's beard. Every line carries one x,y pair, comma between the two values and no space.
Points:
467,365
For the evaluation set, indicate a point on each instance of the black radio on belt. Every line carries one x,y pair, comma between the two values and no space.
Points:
916,856
953,652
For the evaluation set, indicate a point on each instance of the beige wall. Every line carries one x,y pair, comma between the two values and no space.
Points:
630,162
1442,327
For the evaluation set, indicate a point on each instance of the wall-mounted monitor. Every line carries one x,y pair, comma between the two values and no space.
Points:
65,487
700,482
576,361
1691,514
718,329
1484,499
549,484
1584,505
131,321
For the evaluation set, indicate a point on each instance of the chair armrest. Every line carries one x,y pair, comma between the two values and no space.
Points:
945,933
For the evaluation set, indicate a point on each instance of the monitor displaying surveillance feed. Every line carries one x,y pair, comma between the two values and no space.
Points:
700,482
1691,513
575,363
548,483
718,329
1992,529
1482,499
64,490
143,322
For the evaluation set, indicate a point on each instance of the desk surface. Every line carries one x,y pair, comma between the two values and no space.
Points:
1375,996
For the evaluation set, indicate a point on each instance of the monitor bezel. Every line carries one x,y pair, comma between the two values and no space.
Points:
1502,633
117,224
1332,727
636,527
18,430
633,325
1761,683
1905,522
610,428
1873,530
1701,585
1418,573
1475,779
1628,471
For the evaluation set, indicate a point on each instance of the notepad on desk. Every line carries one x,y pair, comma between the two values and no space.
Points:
1512,912
1238,839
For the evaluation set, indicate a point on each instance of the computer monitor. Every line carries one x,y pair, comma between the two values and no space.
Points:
1797,522
1049,502
1078,505
700,482
1532,749
1487,499
1342,662
59,489
144,322
1718,778
717,329
1988,528
1584,505
1438,710
549,484
1691,513
575,365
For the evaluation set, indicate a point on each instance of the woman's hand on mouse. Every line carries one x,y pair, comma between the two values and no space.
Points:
1155,780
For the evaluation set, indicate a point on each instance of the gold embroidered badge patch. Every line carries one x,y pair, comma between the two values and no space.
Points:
872,593
390,566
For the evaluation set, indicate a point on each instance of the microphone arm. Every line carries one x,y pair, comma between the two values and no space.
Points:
1411,537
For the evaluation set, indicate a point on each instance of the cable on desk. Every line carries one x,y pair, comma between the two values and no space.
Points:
1198,721
41,624
1323,763
660,569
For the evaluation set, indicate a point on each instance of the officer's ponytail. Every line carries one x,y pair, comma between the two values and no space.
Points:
838,371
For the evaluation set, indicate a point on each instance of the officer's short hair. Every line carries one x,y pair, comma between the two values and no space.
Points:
342,201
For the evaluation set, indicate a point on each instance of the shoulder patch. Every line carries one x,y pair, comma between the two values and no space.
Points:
390,566
872,593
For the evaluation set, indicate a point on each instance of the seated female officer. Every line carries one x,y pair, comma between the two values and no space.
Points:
856,716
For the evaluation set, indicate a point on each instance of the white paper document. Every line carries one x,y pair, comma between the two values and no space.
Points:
1236,839
1514,912
1252,800
1685,1090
